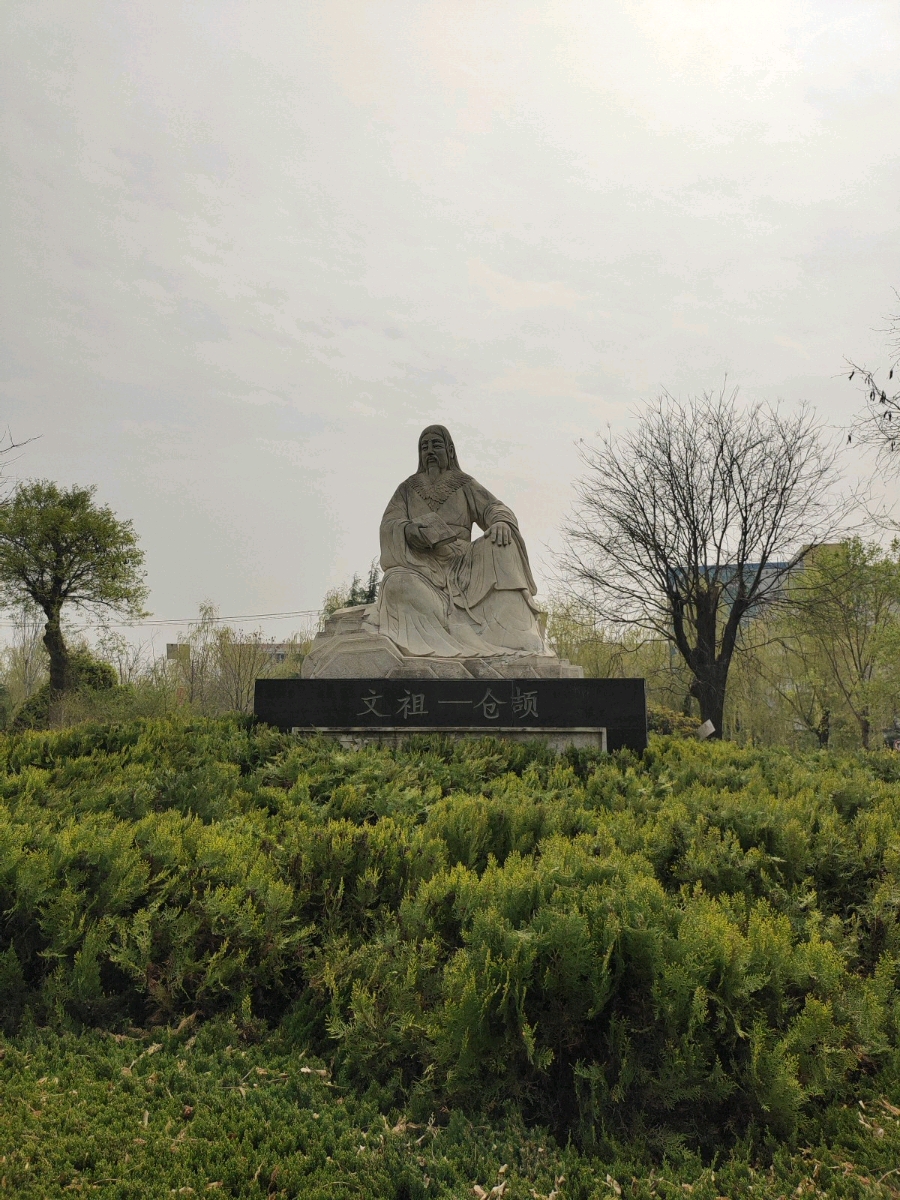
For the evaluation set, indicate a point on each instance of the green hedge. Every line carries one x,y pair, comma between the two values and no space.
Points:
693,945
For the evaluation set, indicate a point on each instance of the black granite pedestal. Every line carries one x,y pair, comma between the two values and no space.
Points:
605,714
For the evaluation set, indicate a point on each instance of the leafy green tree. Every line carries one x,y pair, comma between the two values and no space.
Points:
365,593
828,658
574,633
59,548
352,594
779,692
843,627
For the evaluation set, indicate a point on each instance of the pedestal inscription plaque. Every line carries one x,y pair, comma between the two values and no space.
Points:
606,714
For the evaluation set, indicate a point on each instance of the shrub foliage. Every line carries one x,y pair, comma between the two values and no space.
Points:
688,946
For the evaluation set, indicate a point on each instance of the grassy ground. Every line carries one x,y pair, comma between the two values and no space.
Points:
204,1111
232,963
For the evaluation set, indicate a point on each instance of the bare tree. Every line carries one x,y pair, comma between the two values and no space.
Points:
215,667
131,661
24,659
194,662
690,522
8,444
878,424
241,660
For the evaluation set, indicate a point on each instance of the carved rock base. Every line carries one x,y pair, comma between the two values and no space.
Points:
348,648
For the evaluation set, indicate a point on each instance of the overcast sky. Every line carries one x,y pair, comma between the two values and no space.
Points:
251,248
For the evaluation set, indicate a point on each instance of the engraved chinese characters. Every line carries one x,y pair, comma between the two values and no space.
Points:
410,704
442,593
482,703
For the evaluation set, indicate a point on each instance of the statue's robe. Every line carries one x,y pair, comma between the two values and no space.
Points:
458,598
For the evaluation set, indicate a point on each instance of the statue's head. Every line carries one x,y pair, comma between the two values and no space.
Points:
436,448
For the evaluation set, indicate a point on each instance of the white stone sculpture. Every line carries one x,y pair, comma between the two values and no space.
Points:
448,606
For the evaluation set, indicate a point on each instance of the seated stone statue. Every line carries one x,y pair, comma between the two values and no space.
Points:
444,594
448,607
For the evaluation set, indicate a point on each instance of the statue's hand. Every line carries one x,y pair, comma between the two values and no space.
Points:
500,533
414,539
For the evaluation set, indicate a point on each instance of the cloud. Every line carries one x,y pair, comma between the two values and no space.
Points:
678,322
365,410
260,397
221,215
790,344
506,292
542,381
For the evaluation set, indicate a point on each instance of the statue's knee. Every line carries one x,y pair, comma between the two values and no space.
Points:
403,587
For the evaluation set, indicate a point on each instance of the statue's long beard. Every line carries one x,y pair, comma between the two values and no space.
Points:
435,488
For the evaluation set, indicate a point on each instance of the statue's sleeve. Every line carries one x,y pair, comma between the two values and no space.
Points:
394,551
487,509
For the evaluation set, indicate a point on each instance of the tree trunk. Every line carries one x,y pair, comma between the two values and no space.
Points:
710,695
710,672
59,655
865,730
823,729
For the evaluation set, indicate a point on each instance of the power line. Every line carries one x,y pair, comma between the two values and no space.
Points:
278,616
